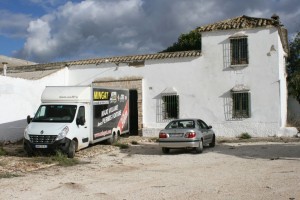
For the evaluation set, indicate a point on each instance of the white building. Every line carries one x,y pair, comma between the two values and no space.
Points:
236,83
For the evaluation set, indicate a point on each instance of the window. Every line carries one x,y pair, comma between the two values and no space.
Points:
202,124
241,104
170,107
81,114
239,50
55,113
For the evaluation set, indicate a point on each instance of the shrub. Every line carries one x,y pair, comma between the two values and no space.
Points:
244,136
121,145
2,152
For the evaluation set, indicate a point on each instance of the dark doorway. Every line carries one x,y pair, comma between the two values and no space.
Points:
133,112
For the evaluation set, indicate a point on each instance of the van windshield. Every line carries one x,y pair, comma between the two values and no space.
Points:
55,113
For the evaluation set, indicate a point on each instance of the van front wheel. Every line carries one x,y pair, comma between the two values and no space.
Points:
71,149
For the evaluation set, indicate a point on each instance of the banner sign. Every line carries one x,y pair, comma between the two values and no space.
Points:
110,112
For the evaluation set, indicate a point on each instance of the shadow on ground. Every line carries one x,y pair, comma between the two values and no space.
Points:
270,151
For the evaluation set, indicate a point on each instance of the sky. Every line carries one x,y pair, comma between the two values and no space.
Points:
59,30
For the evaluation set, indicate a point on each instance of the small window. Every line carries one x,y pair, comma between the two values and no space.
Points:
239,50
170,107
81,113
241,105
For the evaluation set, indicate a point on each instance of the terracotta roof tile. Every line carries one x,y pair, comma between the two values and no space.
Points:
241,22
117,59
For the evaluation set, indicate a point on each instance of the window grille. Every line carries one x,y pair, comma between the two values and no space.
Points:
241,105
239,50
168,108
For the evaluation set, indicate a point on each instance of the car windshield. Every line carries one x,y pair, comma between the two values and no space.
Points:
181,124
55,113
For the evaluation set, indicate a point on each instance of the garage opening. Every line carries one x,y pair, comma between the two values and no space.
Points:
133,112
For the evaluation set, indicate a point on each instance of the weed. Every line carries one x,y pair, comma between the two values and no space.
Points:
8,175
2,152
244,136
59,158
121,145
134,142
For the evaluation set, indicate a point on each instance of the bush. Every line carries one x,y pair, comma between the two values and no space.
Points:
244,136
134,142
2,152
121,145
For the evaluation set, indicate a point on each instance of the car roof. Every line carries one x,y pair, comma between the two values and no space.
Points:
185,119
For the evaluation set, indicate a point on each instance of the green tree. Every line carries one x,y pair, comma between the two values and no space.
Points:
186,42
293,68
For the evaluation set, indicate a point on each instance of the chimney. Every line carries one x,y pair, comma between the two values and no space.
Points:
276,18
4,68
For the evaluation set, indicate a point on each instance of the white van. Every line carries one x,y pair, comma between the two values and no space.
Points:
72,117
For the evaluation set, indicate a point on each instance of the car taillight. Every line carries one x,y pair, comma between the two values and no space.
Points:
163,135
190,135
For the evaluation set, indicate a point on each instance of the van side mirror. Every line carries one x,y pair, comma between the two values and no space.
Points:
29,119
80,121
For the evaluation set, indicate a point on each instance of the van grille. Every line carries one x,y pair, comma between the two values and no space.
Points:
42,139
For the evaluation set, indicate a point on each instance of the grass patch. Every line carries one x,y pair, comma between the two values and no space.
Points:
2,151
134,142
121,145
244,136
60,158
8,175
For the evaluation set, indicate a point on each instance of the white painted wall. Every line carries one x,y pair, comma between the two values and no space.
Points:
19,98
204,84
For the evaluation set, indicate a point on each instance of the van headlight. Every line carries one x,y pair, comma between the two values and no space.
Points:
26,136
63,133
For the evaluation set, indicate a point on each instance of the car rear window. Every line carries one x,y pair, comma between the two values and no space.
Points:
181,124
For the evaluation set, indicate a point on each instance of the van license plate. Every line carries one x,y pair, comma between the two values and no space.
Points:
41,146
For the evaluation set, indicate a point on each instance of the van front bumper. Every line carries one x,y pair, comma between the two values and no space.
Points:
61,145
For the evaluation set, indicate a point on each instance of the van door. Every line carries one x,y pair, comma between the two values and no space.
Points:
83,129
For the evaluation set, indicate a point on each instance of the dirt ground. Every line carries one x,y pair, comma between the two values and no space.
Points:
258,169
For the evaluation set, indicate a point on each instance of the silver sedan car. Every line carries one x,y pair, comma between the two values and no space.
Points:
186,133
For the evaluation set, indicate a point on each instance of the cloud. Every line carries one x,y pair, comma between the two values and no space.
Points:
13,25
98,28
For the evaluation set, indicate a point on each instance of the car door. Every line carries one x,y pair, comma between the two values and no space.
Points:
206,132
83,131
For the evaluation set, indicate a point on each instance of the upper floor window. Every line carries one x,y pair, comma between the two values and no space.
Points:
239,50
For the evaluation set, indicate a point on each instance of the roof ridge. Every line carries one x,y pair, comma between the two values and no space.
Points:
239,22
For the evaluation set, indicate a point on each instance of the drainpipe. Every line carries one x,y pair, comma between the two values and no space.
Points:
4,68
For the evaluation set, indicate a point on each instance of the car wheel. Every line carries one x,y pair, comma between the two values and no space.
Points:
28,151
213,142
165,150
113,139
199,149
71,149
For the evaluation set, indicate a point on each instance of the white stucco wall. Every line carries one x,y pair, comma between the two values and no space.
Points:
19,98
204,84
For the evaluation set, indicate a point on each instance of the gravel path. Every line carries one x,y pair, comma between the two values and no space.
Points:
260,170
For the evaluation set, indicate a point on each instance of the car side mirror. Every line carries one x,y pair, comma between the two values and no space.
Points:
80,121
29,119
209,127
